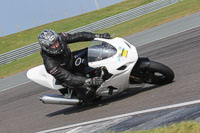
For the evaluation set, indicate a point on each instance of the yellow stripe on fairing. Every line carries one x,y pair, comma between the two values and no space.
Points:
124,53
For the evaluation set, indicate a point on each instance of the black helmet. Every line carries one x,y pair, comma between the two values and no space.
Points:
49,41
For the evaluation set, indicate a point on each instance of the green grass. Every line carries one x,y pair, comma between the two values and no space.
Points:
183,127
23,38
20,65
183,8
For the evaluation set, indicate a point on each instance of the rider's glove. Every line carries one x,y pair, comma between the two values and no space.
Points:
104,35
96,81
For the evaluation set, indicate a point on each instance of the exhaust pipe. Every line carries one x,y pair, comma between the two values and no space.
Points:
58,99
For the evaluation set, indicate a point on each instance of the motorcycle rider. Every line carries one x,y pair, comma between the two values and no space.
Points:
59,61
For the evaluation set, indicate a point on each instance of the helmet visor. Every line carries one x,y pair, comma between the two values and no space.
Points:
55,45
55,48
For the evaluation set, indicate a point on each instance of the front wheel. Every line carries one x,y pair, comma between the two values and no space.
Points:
159,74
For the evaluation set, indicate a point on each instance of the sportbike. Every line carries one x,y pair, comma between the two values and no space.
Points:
116,61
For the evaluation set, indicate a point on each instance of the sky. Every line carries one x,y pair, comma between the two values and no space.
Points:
19,15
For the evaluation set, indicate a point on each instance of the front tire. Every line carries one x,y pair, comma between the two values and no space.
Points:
159,74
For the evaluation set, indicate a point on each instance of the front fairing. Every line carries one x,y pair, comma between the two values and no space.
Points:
111,53
118,56
100,50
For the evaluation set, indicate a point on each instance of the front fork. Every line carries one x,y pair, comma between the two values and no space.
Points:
139,72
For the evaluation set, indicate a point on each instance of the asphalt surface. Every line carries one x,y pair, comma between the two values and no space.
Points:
138,121
21,111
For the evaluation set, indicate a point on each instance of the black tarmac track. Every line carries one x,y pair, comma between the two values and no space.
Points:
22,112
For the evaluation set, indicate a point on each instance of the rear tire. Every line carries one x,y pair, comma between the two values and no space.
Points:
159,74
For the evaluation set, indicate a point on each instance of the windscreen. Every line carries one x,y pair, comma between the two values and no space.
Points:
100,50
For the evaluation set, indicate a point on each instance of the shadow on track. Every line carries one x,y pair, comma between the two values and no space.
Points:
103,102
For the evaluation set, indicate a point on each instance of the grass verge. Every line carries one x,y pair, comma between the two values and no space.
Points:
183,8
26,37
183,127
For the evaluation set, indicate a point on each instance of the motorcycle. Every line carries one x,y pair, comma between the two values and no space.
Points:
115,60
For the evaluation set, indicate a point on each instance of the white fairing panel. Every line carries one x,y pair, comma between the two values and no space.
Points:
126,55
116,61
39,75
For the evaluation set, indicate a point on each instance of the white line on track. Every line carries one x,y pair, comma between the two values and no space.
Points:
14,86
123,115
172,34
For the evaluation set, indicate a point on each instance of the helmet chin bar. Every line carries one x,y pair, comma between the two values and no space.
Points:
56,51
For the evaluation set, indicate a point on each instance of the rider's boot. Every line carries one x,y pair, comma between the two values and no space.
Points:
86,95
